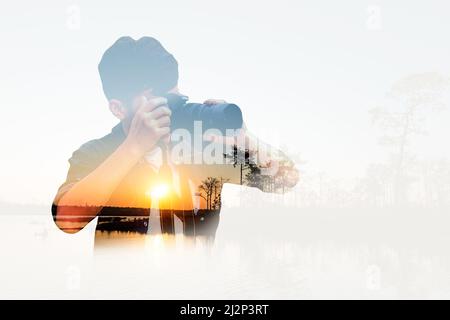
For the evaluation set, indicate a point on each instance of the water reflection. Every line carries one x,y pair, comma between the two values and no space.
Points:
255,254
286,270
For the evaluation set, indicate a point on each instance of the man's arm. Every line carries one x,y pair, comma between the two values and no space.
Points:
84,199
260,165
268,168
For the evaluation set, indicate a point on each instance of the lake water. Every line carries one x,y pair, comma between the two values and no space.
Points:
259,253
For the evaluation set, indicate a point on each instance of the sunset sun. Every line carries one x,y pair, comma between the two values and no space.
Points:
159,191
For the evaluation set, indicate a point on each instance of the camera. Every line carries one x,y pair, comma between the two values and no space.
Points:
223,116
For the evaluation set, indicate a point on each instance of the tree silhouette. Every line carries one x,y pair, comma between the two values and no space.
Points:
286,176
210,190
255,178
241,158
416,95
217,202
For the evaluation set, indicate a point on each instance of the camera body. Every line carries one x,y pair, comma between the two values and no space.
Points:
223,116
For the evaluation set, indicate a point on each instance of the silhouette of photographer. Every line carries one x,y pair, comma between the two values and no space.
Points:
151,174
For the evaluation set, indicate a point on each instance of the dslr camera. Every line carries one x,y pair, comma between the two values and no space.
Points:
223,116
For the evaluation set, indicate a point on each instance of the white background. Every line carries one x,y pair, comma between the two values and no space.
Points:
305,73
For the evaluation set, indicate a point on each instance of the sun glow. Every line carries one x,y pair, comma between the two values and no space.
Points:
159,191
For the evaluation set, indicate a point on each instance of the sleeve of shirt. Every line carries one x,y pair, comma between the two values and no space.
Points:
83,161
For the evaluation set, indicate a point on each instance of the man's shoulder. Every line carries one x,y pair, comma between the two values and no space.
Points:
98,149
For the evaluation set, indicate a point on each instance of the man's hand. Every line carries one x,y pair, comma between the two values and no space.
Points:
150,124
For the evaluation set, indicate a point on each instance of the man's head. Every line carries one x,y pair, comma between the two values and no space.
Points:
130,68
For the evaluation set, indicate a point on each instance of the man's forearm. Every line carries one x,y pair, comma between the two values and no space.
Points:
87,197
268,168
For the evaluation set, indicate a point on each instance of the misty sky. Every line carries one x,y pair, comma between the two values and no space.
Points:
305,74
